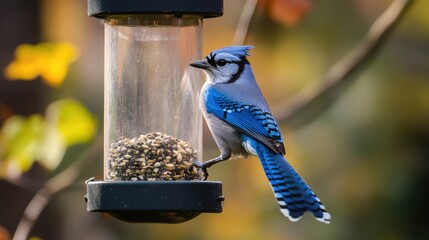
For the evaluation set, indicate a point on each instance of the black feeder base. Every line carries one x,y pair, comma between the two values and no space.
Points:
154,201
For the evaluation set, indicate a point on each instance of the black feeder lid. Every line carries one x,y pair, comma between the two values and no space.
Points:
204,8
154,201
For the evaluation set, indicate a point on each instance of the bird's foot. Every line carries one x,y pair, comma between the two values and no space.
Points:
203,166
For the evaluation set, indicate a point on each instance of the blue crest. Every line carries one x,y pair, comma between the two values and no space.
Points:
238,51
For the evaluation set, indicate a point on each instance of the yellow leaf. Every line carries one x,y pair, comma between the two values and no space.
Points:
54,72
23,71
50,61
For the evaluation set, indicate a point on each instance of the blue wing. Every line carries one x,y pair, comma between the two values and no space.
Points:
248,119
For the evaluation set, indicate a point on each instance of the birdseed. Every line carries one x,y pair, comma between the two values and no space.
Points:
152,157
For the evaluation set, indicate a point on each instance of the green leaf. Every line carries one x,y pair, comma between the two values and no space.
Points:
68,122
74,122
52,148
19,139
26,140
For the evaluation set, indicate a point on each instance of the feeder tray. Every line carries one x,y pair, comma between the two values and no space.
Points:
154,202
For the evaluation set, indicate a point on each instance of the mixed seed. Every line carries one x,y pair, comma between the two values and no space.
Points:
152,157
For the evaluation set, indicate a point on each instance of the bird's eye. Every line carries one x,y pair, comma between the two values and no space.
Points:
221,62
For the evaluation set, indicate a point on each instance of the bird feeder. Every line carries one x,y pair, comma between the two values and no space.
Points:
152,122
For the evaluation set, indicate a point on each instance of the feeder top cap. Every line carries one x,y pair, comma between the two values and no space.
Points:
204,8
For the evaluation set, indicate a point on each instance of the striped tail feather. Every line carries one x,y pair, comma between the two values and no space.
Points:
292,193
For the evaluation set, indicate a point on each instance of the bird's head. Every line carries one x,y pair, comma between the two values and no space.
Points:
225,65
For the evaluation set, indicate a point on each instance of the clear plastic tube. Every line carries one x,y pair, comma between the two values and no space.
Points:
151,96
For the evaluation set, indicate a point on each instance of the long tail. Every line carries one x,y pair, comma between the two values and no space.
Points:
292,193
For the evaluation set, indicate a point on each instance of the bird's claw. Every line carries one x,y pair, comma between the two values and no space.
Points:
203,167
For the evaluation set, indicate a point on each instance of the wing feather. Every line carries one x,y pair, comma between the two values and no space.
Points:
247,119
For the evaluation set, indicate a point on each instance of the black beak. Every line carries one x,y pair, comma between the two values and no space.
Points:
203,64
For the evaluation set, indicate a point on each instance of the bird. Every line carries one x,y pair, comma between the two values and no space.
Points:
241,123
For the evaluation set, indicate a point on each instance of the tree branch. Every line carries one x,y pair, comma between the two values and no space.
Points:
312,102
244,22
308,106
53,186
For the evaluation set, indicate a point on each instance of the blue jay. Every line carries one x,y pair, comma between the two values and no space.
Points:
241,123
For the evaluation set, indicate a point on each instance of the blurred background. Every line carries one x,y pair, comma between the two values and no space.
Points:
366,157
